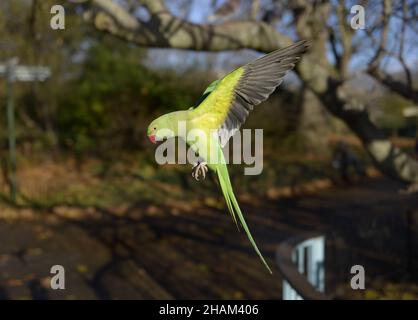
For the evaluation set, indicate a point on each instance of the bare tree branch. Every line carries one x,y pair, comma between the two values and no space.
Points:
389,159
395,85
255,7
405,89
346,37
402,45
123,18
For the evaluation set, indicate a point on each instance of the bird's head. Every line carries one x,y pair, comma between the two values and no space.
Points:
159,129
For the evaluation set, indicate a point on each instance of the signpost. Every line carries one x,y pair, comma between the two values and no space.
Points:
14,72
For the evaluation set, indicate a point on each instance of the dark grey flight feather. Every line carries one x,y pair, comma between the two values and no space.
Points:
260,78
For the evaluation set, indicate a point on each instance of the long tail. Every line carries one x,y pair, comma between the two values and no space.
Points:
233,206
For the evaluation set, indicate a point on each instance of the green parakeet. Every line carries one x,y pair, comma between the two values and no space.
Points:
221,111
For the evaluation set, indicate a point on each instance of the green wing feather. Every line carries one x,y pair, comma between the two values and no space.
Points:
208,91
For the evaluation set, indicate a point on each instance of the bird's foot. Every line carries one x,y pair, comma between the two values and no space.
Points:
199,169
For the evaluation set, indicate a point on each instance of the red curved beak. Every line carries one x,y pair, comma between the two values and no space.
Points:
152,138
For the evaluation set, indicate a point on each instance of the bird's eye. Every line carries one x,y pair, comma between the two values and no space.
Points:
155,128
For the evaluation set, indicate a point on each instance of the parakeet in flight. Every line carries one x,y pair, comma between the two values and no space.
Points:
221,111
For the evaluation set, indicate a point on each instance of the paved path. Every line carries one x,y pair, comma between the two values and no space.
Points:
148,253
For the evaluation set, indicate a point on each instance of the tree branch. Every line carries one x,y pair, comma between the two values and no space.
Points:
164,30
389,159
346,37
397,86
386,11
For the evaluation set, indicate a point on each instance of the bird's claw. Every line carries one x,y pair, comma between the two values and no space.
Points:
199,169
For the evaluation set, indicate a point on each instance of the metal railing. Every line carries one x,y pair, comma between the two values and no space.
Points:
301,261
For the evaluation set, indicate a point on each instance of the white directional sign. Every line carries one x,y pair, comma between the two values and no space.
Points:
26,73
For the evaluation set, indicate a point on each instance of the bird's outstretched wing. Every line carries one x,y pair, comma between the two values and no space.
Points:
227,102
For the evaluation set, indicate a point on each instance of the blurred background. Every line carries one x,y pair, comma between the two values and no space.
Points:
340,148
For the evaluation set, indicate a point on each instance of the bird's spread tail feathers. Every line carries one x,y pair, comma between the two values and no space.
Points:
234,208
